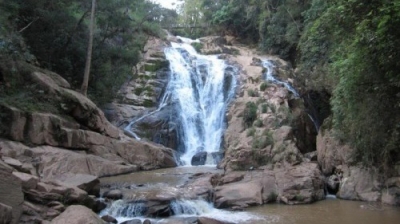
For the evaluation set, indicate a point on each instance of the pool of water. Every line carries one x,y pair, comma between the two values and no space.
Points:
330,211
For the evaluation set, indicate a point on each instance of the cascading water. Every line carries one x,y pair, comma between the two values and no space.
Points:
201,88
268,75
125,211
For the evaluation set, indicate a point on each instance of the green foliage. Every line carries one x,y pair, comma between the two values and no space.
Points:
250,132
197,46
249,114
264,86
262,141
56,35
258,123
363,46
264,108
252,93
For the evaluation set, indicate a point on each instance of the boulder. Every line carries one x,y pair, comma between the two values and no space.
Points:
360,184
300,184
77,214
133,221
146,155
238,194
179,220
6,214
12,162
199,159
207,220
86,182
113,194
28,181
55,162
11,191
109,219
330,152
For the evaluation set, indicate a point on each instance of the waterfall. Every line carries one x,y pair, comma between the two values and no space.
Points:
121,208
200,88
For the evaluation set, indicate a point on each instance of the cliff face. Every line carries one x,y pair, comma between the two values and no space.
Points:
49,133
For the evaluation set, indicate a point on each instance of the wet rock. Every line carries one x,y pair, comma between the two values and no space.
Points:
77,214
96,205
332,184
109,219
113,194
146,221
199,159
133,221
176,220
206,220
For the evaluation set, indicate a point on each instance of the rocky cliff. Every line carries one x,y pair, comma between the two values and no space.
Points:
55,143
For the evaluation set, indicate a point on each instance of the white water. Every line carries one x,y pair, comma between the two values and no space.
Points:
124,211
270,77
196,87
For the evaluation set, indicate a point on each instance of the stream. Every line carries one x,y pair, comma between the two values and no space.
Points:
163,181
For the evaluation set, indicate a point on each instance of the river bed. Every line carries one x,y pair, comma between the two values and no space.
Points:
329,211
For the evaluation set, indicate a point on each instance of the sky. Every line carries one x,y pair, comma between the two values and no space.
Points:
166,3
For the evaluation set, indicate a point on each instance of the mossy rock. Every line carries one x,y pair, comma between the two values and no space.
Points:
155,65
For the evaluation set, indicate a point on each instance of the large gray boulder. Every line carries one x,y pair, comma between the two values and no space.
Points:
77,214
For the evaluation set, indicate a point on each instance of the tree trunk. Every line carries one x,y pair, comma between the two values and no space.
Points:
89,52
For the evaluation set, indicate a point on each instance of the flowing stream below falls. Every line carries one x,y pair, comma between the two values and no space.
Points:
167,181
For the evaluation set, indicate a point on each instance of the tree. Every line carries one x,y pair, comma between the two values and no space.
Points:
89,51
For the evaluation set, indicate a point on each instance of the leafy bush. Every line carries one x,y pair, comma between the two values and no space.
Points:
258,123
251,132
249,114
252,93
264,86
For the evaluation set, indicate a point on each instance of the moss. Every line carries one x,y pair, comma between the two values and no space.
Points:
148,103
252,93
197,46
156,65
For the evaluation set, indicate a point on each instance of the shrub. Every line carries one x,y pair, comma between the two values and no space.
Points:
249,114
258,123
264,86
252,93
251,132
